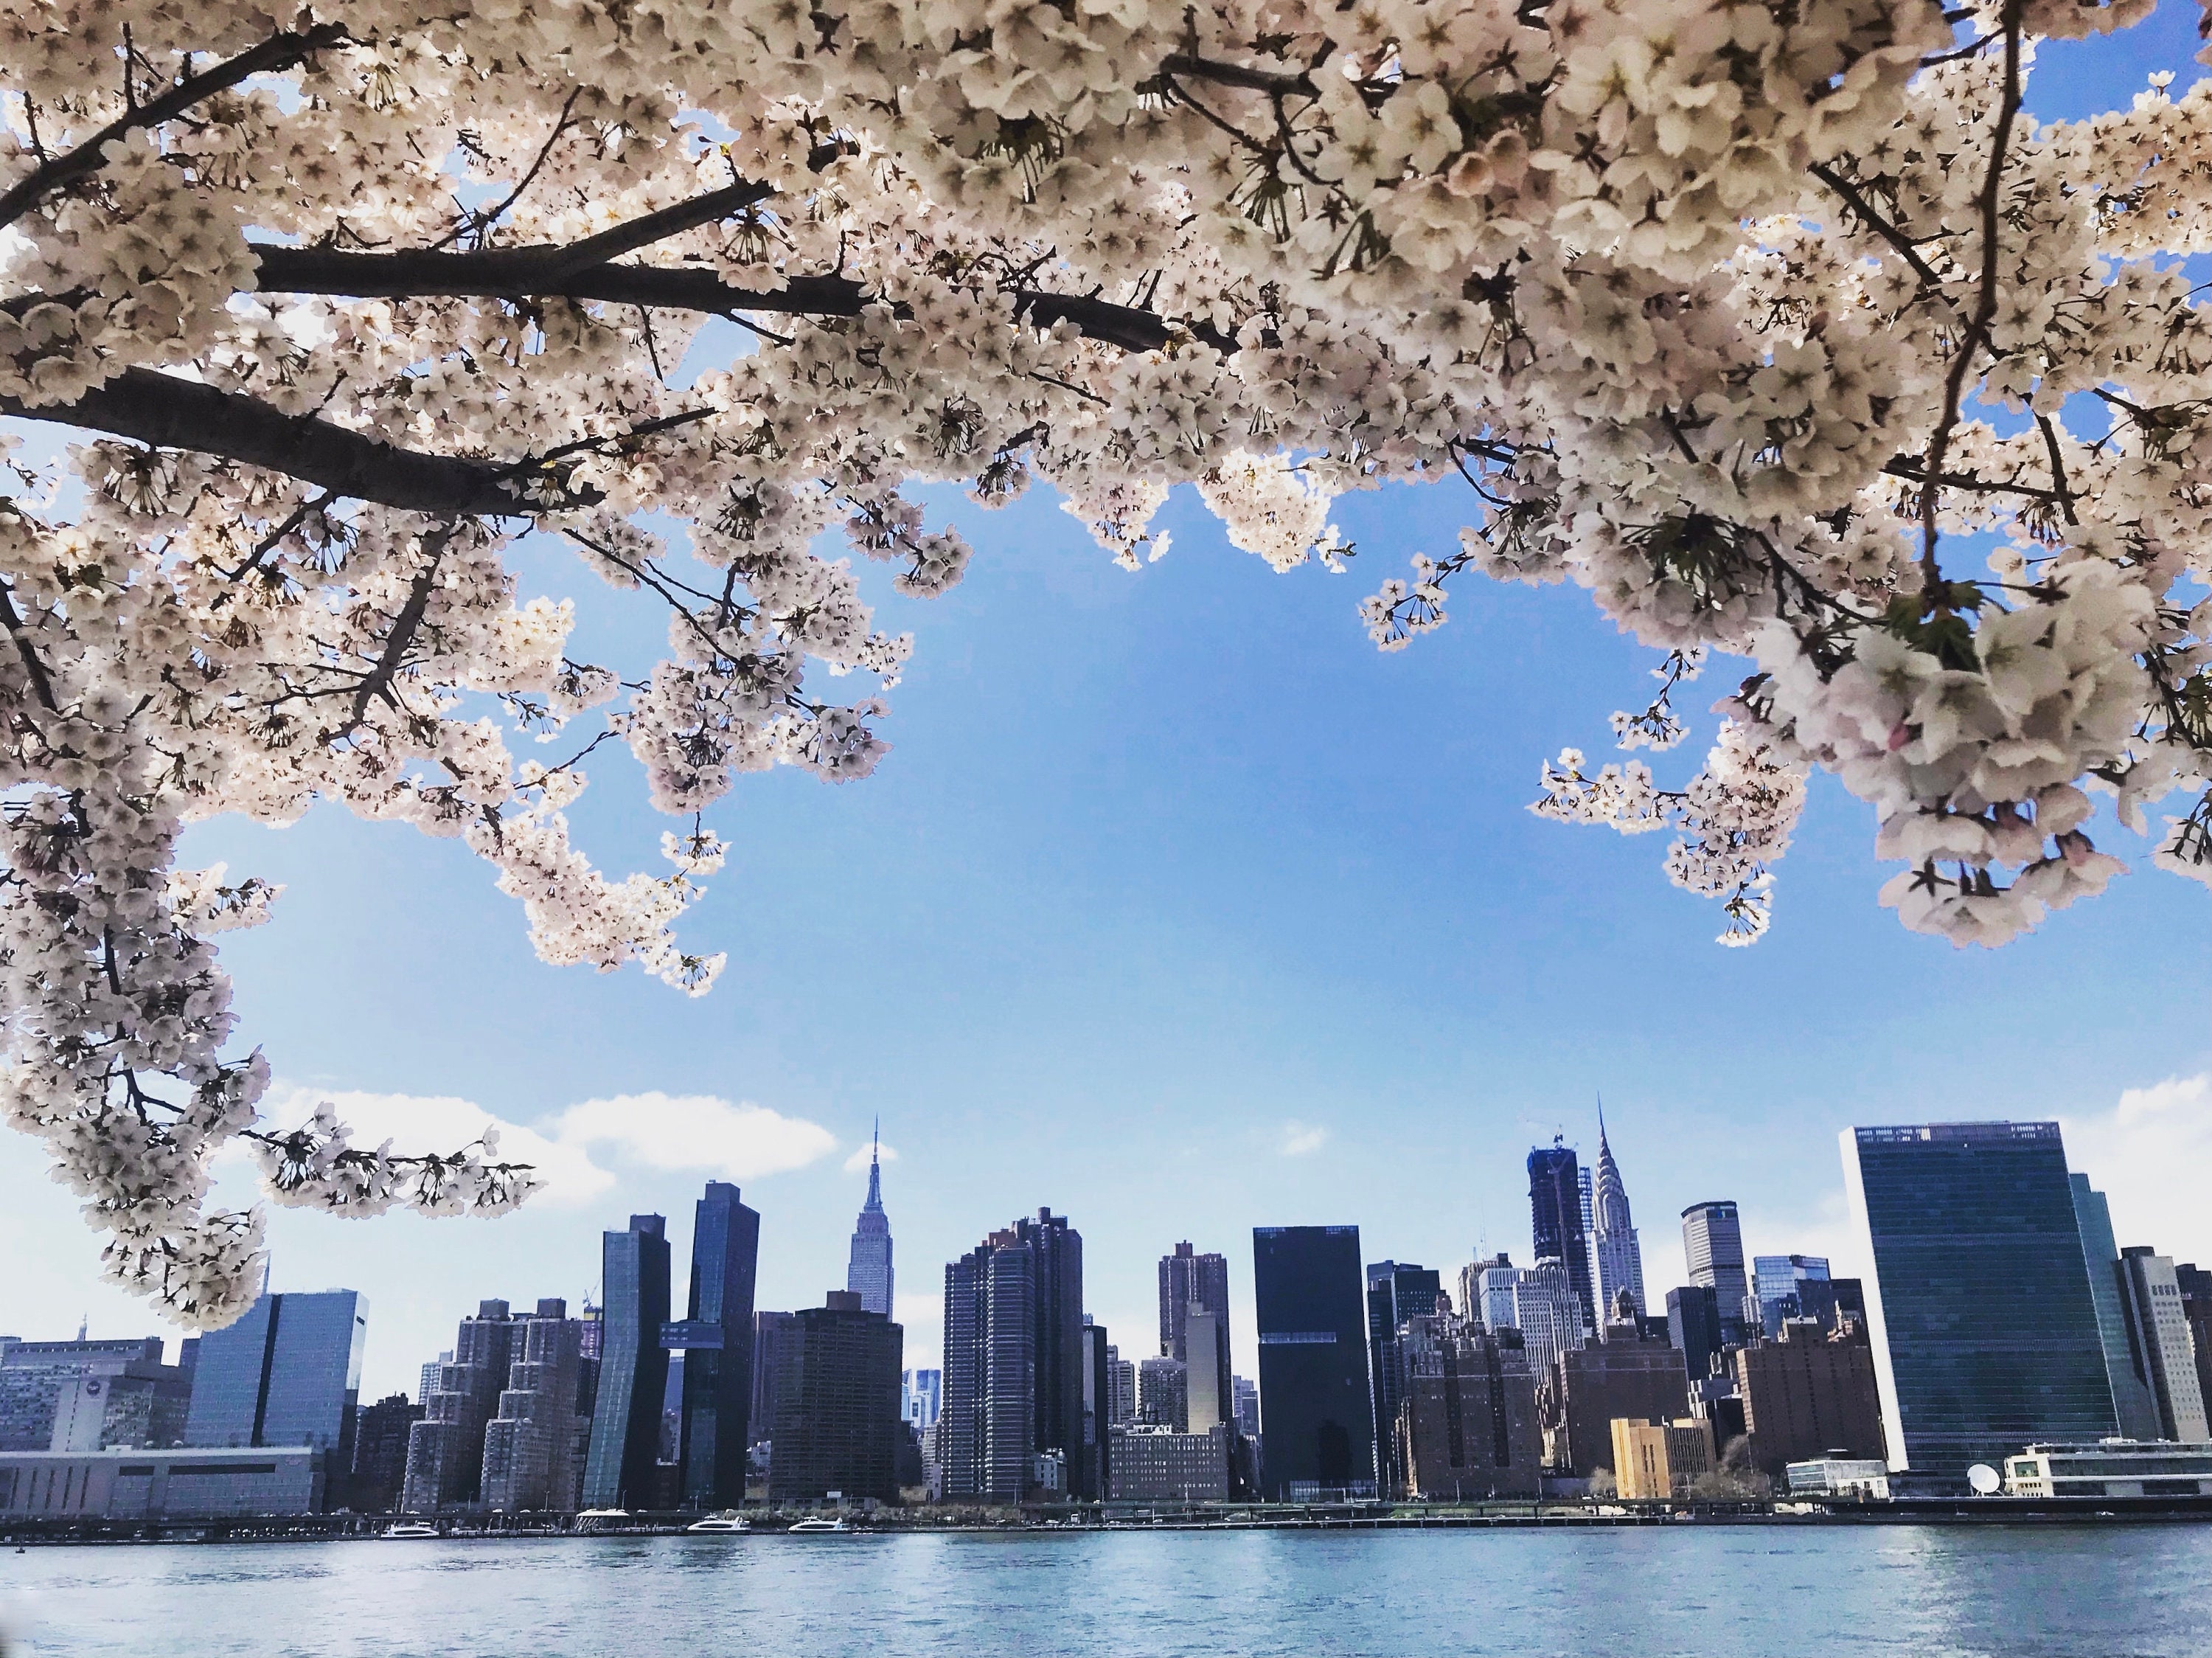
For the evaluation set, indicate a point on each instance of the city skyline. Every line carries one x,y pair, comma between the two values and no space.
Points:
788,1239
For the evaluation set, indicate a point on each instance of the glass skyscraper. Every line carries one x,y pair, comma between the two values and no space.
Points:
1712,1244
1315,1404
1985,1332
2131,1396
633,1366
1557,1219
717,1337
289,1373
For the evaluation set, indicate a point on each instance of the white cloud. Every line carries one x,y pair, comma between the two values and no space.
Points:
1300,1138
662,1132
417,1123
2147,1156
695,1131
859,1161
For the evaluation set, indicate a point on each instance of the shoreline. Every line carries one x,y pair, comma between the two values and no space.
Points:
24,1532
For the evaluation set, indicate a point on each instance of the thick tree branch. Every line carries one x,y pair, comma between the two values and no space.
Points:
181,414
278,51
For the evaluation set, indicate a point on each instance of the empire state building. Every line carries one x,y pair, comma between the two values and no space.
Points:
869,1274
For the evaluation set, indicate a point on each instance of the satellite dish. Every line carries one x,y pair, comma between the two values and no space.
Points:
1984,1478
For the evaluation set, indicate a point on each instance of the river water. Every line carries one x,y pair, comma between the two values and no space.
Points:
1922,1591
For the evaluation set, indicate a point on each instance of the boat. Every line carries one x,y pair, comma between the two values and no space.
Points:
593,1520
817,1527
721,1523
411,1528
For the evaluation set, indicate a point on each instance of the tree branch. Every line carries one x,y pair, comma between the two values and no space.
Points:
547,273
1985,308
1857,201
181,414
377,682
278,51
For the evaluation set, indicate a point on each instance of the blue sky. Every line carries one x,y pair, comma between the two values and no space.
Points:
1180,909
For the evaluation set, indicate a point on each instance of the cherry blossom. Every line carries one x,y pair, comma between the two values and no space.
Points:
1762,325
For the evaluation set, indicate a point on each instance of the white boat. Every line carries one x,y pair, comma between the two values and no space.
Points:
411,1528
817,1527
721,1523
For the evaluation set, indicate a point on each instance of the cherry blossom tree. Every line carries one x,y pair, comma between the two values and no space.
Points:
1782,329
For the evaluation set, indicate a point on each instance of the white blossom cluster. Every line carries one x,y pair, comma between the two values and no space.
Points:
1743,318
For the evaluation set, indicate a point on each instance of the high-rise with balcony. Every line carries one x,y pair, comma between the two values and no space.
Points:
530,1447
1616,1259
1985,1332
1315,1406
446,1449
868,1271
985,1434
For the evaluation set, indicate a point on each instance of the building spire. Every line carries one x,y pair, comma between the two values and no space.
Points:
876,1168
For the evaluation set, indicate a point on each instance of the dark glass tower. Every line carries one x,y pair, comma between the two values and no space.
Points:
1985,1334
1057,1248
717,1337
1555,1216
1396,1291
1315,1408
633,1367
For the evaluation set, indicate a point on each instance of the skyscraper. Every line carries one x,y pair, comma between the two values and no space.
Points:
716,1336
2160,1329
1164,1392
1555,1214
1616,1259
922,1395
1396,1291
445,1449
1315,1403
530,1447
837,1425
380,1452
1058,1249
868,1274
1206,1401
1693,1327
289,1373
1712,1240
986,1435
768,1332
1097,1404
633,1366
1984,1333
1785,1287
2132,1402
2196,1286
1189,1280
